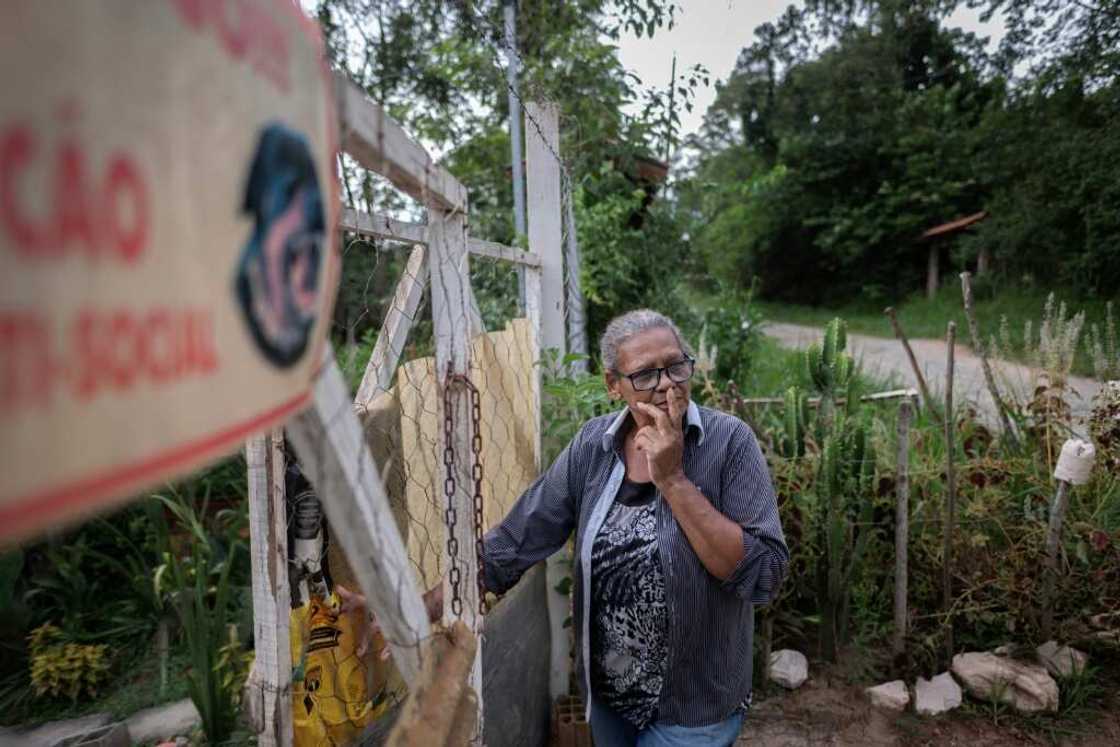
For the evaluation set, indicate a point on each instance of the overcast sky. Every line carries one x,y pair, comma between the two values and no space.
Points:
712,32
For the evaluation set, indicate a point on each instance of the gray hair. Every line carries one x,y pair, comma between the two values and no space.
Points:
624,326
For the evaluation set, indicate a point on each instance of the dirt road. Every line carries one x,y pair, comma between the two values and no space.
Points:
885,358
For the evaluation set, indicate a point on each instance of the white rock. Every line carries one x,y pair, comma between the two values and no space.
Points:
890,695
163,722
941,694
936,696
1061,661
1004,650
789,668
1025,687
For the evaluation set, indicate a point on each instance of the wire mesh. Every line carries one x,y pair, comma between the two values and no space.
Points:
401,411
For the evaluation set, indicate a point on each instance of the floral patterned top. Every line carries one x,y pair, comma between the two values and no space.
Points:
629,644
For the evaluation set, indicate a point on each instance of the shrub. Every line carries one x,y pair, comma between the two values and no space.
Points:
65,669
731,333
570,401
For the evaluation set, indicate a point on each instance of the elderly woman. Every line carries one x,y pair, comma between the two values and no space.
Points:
677,537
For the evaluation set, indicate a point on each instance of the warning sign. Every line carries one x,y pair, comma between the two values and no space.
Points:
167,251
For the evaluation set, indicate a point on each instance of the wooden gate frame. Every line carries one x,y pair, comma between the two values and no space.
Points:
329,439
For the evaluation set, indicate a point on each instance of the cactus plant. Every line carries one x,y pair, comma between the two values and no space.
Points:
844,478
796,417
827,364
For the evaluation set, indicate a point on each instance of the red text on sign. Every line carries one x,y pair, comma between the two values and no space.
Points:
102,351
246,30
95,213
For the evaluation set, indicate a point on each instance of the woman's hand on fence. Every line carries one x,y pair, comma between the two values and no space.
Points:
354,604
362,620
433,602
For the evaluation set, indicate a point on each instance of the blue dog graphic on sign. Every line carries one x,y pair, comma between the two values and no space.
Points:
278,275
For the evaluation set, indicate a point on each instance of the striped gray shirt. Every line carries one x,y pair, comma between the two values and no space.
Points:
711,622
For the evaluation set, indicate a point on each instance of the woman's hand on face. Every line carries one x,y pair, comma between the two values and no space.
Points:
663,441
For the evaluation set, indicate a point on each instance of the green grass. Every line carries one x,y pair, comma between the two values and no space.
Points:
773,371
928,318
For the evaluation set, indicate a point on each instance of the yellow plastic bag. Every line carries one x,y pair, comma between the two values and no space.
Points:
339,693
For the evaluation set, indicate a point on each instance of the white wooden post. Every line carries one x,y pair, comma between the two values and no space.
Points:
268,690
382,227
403,233
545,240
380,144
332,451
451,319
545,234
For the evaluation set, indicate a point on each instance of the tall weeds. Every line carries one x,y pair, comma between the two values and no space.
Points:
1104,349
198,585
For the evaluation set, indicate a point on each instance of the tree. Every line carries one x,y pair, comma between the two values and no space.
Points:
438,68
841,155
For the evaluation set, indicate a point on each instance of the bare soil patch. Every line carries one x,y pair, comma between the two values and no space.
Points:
835,714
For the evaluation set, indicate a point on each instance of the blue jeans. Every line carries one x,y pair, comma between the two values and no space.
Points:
608,729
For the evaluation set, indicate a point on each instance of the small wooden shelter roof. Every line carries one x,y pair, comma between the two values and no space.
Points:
955,225
651,170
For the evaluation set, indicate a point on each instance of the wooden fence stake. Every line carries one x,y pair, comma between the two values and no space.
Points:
434,713
930,405
901,529
950,495
974,334
268,689
767,643
1053,543
451,318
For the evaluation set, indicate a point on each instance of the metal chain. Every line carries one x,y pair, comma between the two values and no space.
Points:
450,516
476,474
450,484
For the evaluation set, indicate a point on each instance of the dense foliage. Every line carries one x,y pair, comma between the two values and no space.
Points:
439,68
848,128
134,607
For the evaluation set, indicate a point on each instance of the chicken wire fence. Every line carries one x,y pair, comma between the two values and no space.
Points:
402,418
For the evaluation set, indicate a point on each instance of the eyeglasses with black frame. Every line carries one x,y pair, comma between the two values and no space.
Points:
650,378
